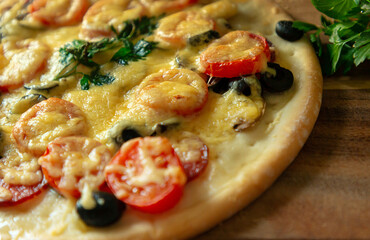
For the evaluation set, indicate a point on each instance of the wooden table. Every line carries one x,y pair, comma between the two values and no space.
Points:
325,193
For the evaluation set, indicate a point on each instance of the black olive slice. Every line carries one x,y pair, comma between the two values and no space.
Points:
125,135
276,78
165,125
286,31
43,86
241,87
219,85
203,38
108,209
27,102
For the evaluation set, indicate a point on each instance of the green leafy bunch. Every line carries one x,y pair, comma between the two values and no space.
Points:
80,52
348,31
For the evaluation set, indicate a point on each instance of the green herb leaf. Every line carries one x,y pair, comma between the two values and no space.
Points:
336,9
85,82
316,42
131,53
305,27
99,79
362,48
349,34
80,52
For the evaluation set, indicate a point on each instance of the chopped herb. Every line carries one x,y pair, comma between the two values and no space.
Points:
349,33
132,52
80,52
95,78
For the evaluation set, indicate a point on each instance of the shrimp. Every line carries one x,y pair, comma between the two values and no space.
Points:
174,30
58,12
20,62
106,13
157,7
179,91
220,9
45,122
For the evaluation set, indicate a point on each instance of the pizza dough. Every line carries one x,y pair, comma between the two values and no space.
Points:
241,166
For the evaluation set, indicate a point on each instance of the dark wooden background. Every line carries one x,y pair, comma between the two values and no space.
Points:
325,192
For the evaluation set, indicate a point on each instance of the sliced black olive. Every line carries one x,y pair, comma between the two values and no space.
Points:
219,85
164,126
203,38
125,135
183,59
108,209
241,87
286,31
276,78
27,102
125,130
43,86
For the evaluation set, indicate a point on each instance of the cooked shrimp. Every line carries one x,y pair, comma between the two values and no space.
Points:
106,13
179,91
20,62
58,12
220,9
71,164
45,122
174,30
157,7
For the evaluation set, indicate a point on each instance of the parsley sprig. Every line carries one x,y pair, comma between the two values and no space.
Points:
80,52
348,31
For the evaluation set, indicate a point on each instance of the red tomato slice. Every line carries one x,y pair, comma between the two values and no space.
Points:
71,163
235,54
147,174
65,13
20,193
193,154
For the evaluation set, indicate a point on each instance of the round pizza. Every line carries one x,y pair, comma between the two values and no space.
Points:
146,119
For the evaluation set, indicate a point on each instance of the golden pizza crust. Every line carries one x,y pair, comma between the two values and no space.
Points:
239,170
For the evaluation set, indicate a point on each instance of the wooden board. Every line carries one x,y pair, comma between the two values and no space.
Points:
325,193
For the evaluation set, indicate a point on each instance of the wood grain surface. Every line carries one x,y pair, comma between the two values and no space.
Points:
325,193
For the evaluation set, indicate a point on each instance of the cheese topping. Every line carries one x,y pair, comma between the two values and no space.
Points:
188,147
5,194
77,161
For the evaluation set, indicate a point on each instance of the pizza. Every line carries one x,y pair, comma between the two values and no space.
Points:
146,119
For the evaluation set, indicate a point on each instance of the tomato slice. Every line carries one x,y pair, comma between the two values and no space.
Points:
19,193
193,154
71,163
235,54
147,174
58,13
